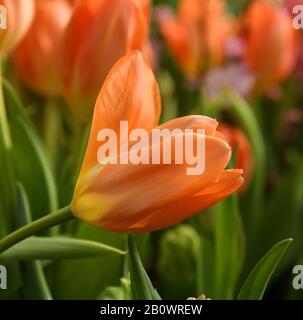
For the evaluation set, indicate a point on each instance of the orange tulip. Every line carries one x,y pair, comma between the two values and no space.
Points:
99,33
146,197
197,36
37,56
239,144
271,42
18,15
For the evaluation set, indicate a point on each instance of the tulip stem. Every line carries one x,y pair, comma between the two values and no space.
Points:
34,227
4,127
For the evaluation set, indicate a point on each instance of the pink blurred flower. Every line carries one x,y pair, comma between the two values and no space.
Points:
235,48
236,76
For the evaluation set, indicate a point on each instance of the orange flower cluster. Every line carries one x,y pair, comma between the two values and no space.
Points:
198,38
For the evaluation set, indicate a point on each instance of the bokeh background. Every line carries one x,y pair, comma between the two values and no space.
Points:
239,62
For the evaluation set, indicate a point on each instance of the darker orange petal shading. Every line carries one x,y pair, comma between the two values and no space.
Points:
229,182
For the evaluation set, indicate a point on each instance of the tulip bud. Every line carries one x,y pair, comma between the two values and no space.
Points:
99,33
18,15
178,262
123,292
37,56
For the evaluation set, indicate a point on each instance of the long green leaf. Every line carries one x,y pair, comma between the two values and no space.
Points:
246,118
141,285
257,281
286,197
229,247
33,280
31,165
53,248
100,272
7,194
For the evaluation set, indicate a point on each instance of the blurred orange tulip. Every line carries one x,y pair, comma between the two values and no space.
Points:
19,15
99,33
239,144
146,197
197,36
37,56
271,42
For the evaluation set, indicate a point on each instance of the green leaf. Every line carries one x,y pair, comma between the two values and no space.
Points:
33,280
257,281
229,247
207,266
141,285
254,197
30,163
286,197
99,272
52,248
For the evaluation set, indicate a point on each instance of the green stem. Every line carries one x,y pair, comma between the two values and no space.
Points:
4,127
34,227
52,129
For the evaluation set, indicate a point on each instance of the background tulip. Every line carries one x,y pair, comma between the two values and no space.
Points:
99,33
165,194
241,146
271,42
19,17
197,36
37,56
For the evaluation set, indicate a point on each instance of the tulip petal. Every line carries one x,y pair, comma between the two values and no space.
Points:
192,122
153,186
36,58
130,93
229,181
178,40
19,18
99,33
271,42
